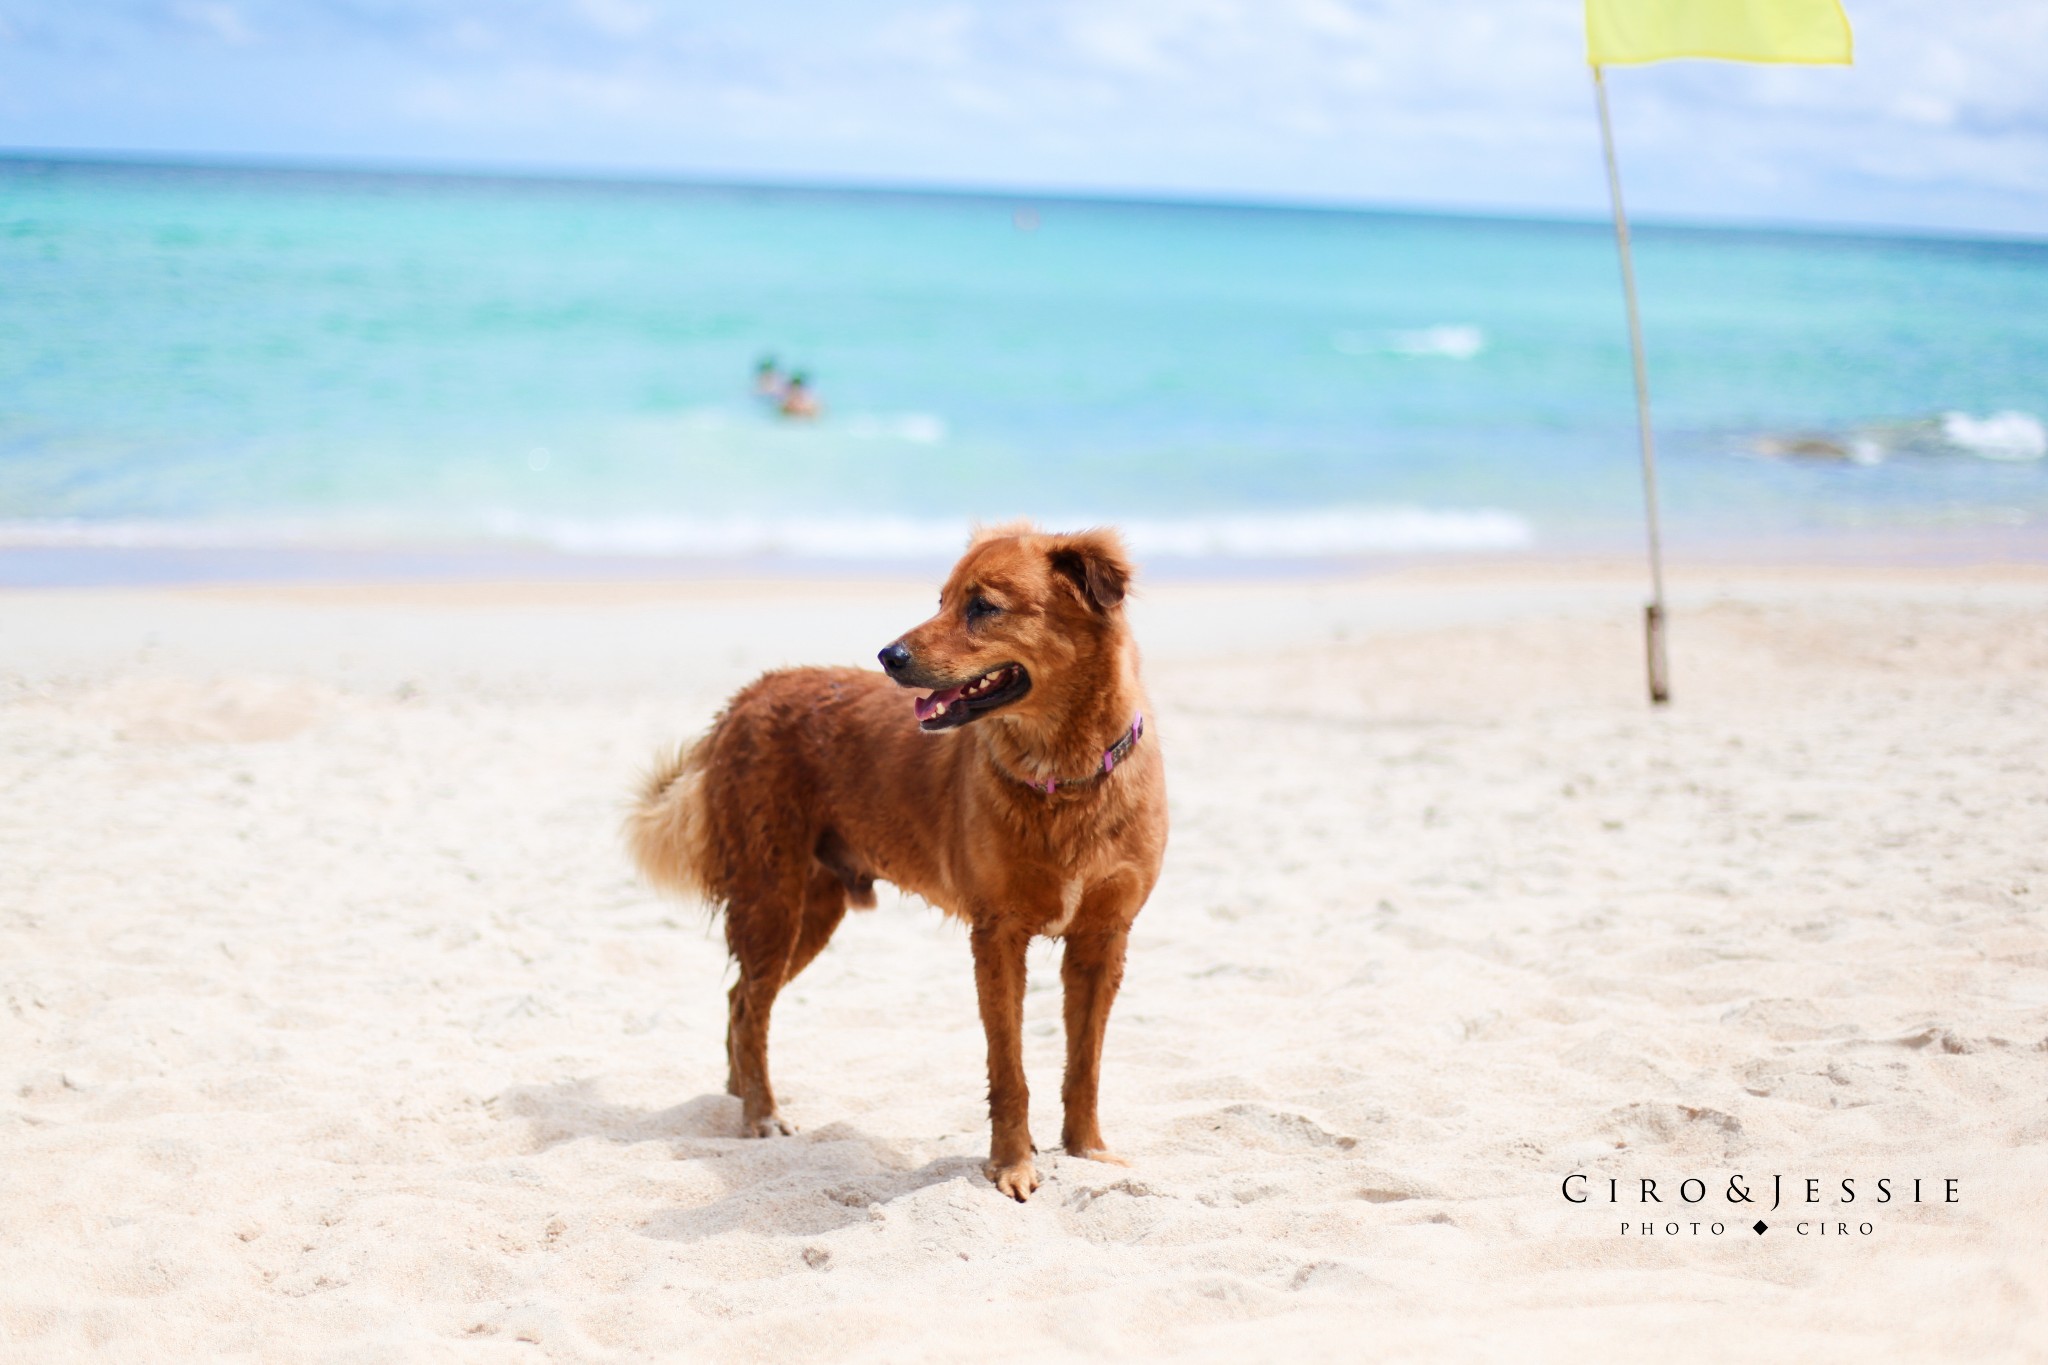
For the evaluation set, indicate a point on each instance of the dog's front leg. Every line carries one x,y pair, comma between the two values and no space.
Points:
999,981
1091,969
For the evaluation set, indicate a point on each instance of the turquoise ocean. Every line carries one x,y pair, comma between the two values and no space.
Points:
206,366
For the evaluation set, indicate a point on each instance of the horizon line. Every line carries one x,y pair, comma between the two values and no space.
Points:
1021,196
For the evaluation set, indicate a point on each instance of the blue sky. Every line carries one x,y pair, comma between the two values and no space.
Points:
1943,123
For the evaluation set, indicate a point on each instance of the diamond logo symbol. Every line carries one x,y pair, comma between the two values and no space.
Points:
1761,1227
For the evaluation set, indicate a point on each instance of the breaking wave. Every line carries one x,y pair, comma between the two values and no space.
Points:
2001,436
1449,341
2010,437
1334,534
920,428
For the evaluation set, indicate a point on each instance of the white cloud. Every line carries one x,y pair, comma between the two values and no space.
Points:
619,18
222,21
1943,121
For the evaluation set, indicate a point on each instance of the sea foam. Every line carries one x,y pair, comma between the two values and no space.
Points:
921,428
2015,436
1456,342
1337,533
1333,534
1450,341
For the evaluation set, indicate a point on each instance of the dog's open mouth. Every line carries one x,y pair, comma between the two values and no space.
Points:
951,706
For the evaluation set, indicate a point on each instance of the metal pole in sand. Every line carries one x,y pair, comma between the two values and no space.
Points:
1660,669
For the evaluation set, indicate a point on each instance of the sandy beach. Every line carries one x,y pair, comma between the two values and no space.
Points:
336,1027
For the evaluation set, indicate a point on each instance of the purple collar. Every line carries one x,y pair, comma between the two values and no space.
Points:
1113,755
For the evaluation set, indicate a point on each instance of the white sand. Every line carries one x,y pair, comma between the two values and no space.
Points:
332,1026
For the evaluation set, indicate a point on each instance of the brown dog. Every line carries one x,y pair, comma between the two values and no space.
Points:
1022,795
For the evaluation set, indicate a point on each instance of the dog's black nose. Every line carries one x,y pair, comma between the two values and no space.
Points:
894,659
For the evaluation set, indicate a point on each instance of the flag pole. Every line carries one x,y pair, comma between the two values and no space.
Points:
1653,616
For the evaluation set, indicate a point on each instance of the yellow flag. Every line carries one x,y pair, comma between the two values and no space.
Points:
1625,31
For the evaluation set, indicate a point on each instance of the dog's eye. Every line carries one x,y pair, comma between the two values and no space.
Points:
980,609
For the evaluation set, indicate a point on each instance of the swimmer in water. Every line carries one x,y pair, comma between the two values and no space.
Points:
797,400
768,379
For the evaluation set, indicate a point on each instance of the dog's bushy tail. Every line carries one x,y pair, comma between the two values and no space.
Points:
668,831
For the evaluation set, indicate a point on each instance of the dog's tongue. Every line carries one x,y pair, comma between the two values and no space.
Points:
927,705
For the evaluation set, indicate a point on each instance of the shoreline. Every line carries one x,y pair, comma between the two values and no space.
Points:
40,567
702,638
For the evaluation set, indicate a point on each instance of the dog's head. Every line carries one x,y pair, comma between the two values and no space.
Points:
1024,618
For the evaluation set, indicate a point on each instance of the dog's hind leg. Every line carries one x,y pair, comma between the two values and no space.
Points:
825,902
771,946
1091,969
761,935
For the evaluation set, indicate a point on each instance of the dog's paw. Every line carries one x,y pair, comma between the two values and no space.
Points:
771,1125
1017,1181
1101,1154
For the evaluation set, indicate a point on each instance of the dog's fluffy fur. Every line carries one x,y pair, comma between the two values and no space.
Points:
814,783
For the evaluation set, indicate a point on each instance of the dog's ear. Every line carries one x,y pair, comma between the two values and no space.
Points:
1097,565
